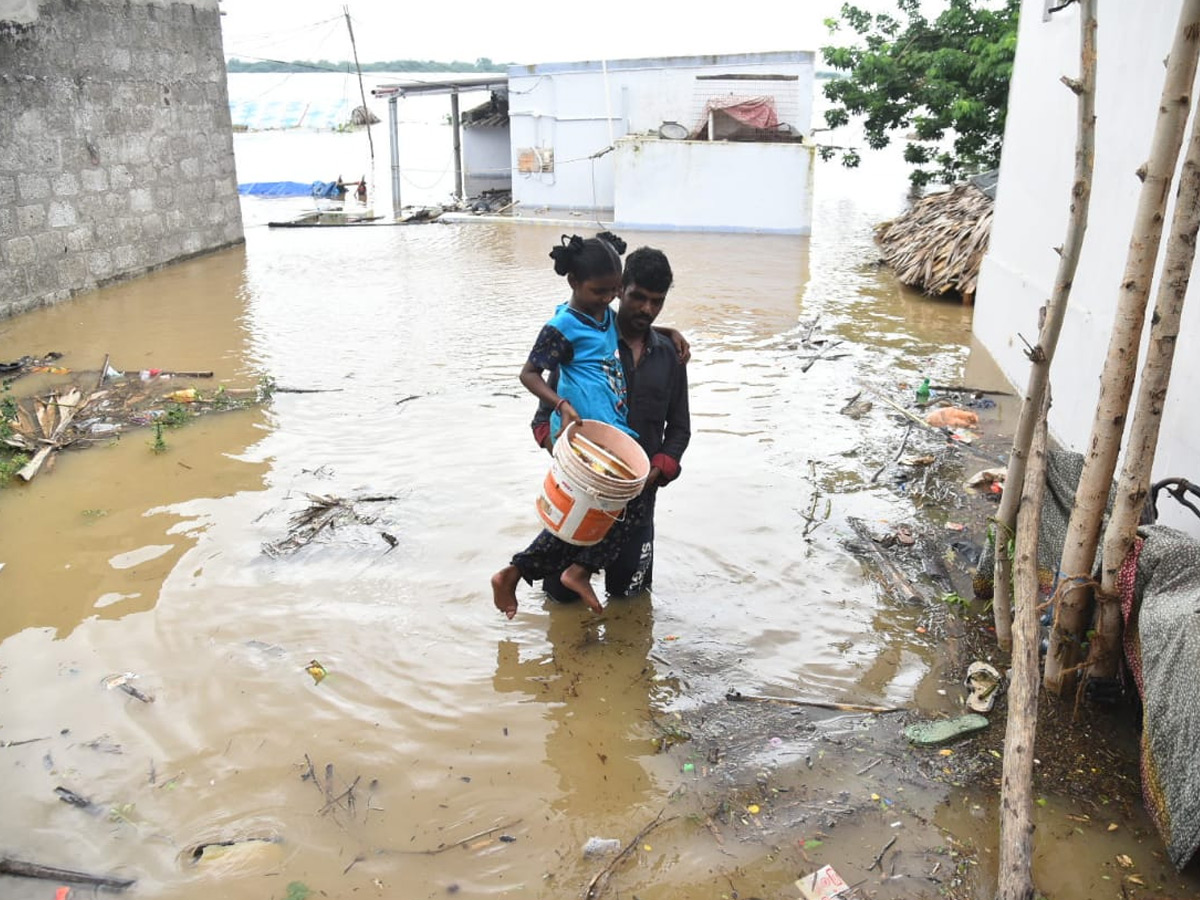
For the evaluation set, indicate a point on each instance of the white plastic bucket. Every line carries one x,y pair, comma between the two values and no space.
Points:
579,504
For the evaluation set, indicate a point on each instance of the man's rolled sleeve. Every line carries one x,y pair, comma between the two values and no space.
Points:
678,430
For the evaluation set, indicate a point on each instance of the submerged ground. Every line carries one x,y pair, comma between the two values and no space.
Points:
446,750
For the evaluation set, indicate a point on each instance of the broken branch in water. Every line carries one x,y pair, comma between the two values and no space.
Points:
811,328
879,858
347,795
7,744
64,409
66,795
323,512
467,840
738,696
600,880
952,389
903,444
811,522
24,869
895,579
869,766
808,365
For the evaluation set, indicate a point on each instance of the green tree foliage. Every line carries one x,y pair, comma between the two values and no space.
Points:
936,77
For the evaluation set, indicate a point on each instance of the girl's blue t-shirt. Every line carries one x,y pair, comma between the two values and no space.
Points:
590,376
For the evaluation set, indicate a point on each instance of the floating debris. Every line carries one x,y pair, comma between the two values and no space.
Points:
323,513
317,671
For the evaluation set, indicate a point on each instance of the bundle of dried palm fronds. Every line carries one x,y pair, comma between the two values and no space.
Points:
938,245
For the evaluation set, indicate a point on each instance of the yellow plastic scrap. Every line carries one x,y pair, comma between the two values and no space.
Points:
317,671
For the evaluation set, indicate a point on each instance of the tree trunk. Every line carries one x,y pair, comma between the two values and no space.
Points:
1048,332
1016,792
1152,393
1120,366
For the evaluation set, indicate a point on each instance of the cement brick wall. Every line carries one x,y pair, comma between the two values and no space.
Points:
116,151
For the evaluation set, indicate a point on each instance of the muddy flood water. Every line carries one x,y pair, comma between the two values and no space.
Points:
448,751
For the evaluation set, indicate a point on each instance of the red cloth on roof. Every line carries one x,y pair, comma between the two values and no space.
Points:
753,112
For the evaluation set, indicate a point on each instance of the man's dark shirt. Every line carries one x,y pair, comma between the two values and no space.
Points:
658,402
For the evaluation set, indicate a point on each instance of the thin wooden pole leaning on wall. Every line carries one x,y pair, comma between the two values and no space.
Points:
1042,354
1016,791
1104,653
1120,365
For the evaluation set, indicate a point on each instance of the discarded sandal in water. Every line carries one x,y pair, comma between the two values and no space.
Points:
984,683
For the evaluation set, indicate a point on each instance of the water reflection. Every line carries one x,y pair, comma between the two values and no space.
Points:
598,683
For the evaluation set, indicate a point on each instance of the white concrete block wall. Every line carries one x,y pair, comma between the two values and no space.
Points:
116,152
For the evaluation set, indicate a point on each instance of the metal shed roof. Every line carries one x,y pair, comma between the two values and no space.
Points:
447,85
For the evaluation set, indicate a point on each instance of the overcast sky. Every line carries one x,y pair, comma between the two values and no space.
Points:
522,32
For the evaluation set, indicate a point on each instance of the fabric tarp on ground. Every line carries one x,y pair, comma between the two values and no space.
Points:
1063,469
1160,598
1160,589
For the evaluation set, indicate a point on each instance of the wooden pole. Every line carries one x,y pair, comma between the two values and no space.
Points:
361,90
1147,417
1042,354
1120,365
1016,792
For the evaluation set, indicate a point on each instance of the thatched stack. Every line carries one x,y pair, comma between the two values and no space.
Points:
938,245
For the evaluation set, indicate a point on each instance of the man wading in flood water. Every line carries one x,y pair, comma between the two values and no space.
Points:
658,412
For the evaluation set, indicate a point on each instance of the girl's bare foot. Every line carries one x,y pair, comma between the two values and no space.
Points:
579,579
504,590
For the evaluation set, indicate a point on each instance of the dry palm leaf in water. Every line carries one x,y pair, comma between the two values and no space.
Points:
322,513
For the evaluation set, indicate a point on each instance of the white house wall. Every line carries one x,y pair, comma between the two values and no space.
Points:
564,106
486,159
719,185
1036,173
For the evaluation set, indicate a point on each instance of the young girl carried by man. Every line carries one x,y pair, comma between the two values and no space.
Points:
580,340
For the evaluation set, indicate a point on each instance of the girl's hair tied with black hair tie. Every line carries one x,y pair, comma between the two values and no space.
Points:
615,242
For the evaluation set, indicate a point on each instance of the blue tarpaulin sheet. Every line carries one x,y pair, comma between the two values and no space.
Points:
291,189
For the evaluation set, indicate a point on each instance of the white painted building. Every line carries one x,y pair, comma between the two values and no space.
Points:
1036,172
631,137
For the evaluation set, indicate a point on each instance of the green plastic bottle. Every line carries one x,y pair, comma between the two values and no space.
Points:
923,392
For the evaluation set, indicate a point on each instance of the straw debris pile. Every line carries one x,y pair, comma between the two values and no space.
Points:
938,245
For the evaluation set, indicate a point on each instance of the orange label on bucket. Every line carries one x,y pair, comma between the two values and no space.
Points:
595,525
554,504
